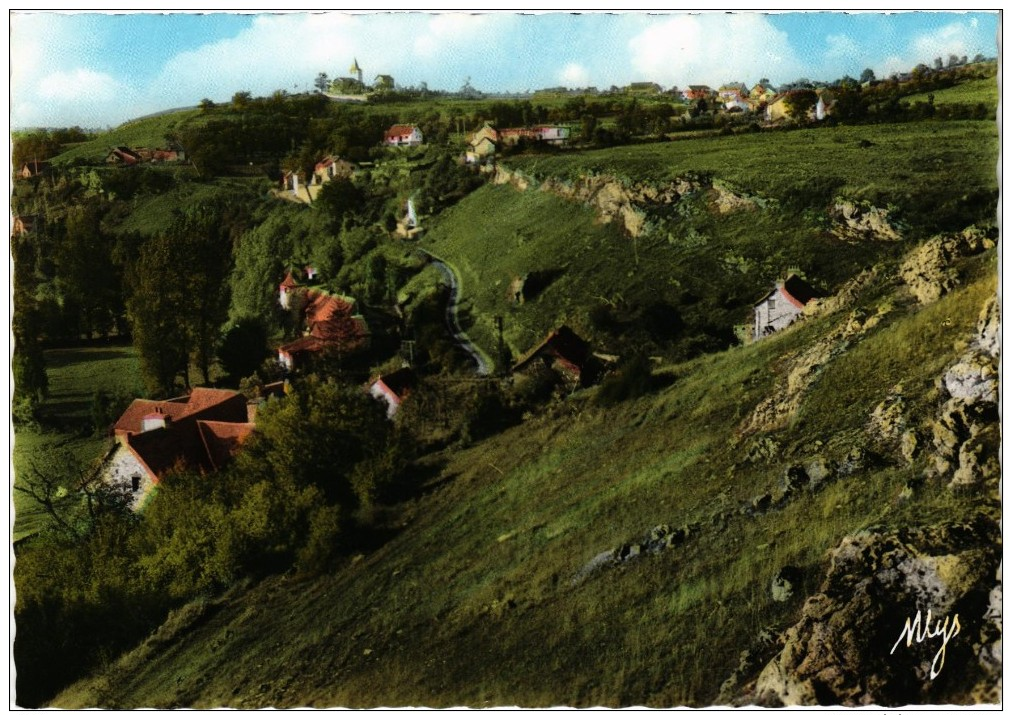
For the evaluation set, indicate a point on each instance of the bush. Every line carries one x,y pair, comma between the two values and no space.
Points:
322,540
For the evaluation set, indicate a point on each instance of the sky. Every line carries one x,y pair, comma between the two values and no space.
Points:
98,70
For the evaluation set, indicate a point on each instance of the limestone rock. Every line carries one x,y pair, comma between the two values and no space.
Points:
838,653
784,583
928,271
862,222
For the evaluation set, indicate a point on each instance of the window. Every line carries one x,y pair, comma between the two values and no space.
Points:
773,304
135,483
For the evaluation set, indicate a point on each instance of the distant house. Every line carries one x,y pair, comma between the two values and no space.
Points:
735,90
199,432
290,283
737,105
777,109
565,352
333,327
482,144
407,225
762,93
33,168
383,83
124,156
550,133
781,306
403,135
331,167
695,92
393,388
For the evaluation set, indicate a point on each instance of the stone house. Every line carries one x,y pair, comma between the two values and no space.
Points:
200,431
781,306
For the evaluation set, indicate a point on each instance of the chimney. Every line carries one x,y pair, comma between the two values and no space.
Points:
155,420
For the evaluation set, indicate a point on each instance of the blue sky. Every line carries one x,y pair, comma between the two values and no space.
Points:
98,70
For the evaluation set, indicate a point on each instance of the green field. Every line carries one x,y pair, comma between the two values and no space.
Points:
75,374
975,91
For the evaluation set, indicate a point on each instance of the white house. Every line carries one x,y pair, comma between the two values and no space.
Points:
393,388
781,306
403,135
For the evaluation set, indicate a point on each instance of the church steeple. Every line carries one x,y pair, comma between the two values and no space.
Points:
356,70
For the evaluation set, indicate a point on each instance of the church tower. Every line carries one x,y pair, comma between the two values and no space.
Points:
356,71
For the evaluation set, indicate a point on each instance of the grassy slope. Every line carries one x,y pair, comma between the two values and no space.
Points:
148,132
472,601
74,375
983,91
907,160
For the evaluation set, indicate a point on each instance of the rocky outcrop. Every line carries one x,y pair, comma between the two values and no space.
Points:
965,435
775,411
659,538
928,270
862,222
849,646
628,203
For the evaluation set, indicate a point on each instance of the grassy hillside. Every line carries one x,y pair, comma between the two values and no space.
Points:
976,91
147,132
910,165
476,598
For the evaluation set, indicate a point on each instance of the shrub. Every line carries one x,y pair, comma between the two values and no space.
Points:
633,379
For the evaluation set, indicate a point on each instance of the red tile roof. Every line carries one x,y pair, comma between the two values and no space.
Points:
564,345
397,384
223,439
399,131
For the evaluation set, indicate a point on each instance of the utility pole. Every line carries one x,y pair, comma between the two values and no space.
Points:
501,357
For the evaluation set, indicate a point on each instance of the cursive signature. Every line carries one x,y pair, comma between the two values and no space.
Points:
914,630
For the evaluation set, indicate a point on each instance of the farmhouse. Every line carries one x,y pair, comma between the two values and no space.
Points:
393,387
124,156
331,167
781,306
22,225
482,144
200,432
564,352
403,135
697,91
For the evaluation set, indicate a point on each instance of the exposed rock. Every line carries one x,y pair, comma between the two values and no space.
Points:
804,368
928,271
625,202
887,420
910,446
782,588
839,651
965,435
862,222
762,502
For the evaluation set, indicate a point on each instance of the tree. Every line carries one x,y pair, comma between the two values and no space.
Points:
241,100
321,82
938,63
243,348
206,105
800,102
868,75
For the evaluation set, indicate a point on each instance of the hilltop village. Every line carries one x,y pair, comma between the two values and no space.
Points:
720,358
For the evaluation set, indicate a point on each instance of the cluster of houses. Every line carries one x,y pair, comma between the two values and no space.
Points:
125,156
298,187
485,142
737,97
333,325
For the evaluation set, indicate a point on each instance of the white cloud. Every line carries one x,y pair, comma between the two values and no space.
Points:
956,39
574,75
842,47
713,49
79,84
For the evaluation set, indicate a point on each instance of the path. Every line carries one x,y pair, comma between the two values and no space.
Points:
483,363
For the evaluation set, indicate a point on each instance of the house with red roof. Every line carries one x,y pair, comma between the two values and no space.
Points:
781,306
200,432
124,156
33,168
393,387
333,327
564,352
403,135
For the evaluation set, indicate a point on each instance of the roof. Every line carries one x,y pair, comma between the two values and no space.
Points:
562,344
795,289
400,130
399,382
289,281
202,402
222,439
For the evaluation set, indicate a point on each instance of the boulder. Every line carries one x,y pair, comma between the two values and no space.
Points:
862,222
785,583
849,646
928,271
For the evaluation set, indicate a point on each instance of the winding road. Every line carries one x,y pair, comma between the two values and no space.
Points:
483,363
